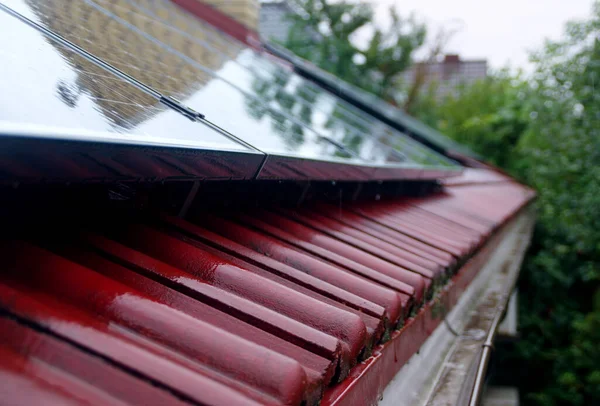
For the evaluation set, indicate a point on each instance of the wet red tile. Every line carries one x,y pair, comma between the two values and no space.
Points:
260,306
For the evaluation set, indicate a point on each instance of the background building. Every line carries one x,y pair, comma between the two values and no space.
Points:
274,23
448,74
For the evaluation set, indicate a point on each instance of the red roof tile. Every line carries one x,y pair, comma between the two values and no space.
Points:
261,306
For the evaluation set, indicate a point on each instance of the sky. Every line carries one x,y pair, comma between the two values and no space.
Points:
500,31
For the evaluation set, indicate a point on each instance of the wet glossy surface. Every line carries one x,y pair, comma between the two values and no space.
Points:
260,306
352,128
288,94
158,44
396,117
179,66
46,85
216,308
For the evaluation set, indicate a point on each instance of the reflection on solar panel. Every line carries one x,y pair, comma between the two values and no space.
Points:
69,92
254,99
282,89
373,104
343,122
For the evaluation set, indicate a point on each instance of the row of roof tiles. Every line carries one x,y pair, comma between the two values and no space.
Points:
254,307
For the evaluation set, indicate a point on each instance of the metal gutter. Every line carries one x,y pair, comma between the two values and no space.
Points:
427,377
488,346
381,380
486,354
461,378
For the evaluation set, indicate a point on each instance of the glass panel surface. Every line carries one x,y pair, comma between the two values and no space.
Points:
46,84
240,90
273,92
177,65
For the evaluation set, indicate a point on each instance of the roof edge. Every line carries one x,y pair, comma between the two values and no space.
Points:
368,381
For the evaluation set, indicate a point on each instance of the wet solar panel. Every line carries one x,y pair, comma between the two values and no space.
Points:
261,105
171,63
376,106
348,125
46,84
284,91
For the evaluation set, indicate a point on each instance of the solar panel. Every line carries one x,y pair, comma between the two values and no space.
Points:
343,122
261,106
374,105
51,93
285,90
156,55
46,84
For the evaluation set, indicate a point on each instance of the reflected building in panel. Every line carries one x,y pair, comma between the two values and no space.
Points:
118,32
274,22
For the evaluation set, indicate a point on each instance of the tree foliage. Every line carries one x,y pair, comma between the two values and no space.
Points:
489,115
324,32
545,130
